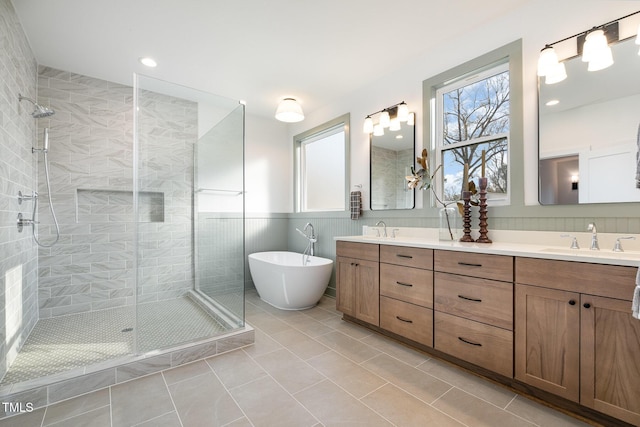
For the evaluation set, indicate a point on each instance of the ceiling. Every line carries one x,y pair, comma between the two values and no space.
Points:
257,51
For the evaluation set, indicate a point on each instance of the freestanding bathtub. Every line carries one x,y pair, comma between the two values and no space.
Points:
289,280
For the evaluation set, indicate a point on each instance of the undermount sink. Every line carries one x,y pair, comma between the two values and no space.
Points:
590,253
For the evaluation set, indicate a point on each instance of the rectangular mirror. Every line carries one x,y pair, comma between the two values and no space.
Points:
391,156
589,132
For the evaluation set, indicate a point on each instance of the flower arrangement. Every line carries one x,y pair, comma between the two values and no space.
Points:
423,179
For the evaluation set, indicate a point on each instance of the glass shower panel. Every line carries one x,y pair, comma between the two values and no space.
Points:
170,121
219,216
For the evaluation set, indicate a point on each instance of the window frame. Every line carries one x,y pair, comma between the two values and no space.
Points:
438,146
511,53
318,132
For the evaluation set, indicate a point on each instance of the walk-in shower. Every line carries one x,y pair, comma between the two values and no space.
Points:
148,184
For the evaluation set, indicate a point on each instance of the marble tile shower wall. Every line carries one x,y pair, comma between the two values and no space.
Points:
18,255
91,171
389,179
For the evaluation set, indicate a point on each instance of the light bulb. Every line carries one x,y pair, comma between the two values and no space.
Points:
403,112
547,61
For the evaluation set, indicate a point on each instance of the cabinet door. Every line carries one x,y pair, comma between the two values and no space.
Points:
367,291
610,358
346,286
547,339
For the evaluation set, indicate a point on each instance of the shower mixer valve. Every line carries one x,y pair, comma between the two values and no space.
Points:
22,197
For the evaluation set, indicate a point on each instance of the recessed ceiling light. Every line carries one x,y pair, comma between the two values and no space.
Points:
149,62
399,136
552,102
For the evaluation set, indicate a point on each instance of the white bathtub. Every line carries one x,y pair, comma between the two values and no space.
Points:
285,281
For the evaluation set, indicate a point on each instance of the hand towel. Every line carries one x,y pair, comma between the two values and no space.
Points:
635,306
356,204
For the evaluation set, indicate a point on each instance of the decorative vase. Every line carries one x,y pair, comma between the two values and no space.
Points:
449,224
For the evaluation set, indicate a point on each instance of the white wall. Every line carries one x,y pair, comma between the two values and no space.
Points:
537,23
268,165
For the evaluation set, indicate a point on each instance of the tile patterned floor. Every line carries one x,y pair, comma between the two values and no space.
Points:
62,343
306,368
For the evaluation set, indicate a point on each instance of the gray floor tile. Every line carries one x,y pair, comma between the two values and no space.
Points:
204,401
347,374
289,370
300,344
235,368
542,415
267,404
473,411
402,409
76,406
348,347
186,371
410,379
140,400
333,406
100,417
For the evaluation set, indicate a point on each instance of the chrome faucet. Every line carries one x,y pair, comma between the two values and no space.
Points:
383,225
311,237
594,237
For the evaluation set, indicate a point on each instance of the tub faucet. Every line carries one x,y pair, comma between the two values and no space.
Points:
309,233
383,225
594,237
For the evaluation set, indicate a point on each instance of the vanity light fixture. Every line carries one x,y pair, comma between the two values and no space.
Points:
390,117
289,111
593,45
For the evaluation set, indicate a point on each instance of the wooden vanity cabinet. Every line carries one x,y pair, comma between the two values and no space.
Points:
473,318
358,281
406,292
575,336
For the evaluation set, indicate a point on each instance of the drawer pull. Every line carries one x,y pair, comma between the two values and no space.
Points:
469,299
404,256
468,264
470,342
404,320
408,285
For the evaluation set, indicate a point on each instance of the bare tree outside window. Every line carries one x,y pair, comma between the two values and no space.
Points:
475,117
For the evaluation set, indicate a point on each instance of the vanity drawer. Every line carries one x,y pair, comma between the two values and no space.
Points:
496,267
603,280
408,320
477,343
410,257
357,250
407,284
482,300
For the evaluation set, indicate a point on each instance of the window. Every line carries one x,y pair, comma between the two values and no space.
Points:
472,116
321,167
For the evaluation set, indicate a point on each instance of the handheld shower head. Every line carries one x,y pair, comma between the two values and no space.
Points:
39,111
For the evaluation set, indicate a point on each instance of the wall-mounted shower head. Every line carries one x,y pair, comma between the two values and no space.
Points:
39,111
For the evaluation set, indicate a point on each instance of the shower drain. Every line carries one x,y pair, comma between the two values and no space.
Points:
127,330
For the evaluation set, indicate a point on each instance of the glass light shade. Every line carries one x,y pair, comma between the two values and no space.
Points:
368,125
412,119
289,111
547,61
600,59
378,130
395,124
385,120
403,112
557,74
596,51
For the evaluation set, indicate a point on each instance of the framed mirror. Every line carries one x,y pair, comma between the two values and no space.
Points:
589,132
391,157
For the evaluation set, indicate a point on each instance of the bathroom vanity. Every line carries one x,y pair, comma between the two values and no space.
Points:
549,322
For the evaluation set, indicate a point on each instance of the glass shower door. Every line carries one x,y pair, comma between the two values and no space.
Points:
171,123
219,216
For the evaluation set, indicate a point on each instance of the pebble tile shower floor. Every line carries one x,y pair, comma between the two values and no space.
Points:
62,343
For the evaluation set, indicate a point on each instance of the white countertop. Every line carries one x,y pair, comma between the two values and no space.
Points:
536,244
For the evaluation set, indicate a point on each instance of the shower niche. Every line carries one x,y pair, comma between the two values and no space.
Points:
118,206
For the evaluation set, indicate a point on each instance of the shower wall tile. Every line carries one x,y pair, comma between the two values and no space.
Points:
91,171
18,254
